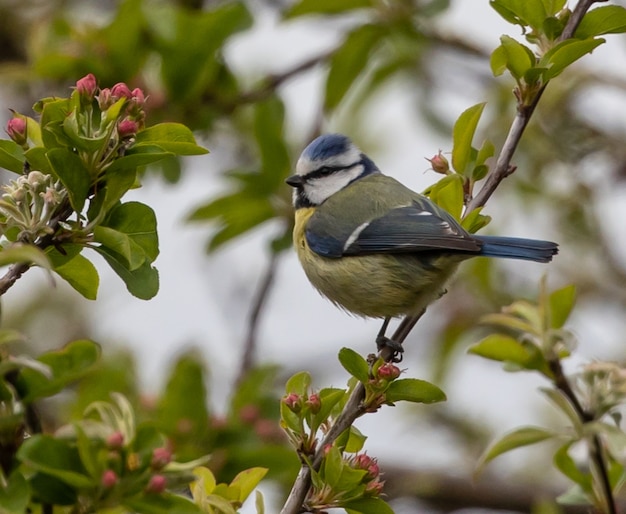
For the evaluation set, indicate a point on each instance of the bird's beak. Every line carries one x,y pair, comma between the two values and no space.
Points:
295,181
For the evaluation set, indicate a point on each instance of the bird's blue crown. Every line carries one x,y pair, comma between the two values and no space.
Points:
326,146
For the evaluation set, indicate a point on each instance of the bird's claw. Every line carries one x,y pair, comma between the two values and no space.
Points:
396,348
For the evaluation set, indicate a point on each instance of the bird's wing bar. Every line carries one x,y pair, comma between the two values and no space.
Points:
407,229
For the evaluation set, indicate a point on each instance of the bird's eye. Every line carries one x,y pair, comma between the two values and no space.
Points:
326,170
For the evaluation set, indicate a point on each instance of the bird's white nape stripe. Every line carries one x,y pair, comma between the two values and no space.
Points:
355,235
320,189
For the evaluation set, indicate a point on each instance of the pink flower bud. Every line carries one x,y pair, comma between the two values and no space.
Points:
367,463
108,479
127,128
115,441
17,130
87,86
121,90
157,484
388,371
314,403
293,402
138,97
161,457
374,488
440,164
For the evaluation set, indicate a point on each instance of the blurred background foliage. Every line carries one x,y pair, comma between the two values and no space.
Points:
571,160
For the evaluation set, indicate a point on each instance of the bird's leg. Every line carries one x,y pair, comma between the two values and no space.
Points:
382,341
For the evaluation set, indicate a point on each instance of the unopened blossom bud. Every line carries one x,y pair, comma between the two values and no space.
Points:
105,99
121,90
389,371
35,179
115,441
367,463
314,403
109,479
374,488
293,402
17,130
127,128
161,457
87,87
440,164
138,97
157,484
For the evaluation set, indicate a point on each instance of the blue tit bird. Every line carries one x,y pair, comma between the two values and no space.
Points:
374,247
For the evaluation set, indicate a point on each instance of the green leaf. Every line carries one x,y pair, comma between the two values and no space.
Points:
15,496
171,137
498,61
246,481
413,390
72,173
130,230
53,112
566,465
21,252
349,61
138,155
565,53
305,7
56,458
367,506
81,274
522,12
503,348
462,135
474,221
565,406
608,19
49,489
448,194
37,157
68,364
354,364
268,131
561,302
356,440
142,282
519,437
519,58
299,383
12,156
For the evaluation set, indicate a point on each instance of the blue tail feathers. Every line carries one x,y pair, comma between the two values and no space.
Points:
517,248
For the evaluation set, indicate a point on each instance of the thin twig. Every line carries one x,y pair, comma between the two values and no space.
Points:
250,344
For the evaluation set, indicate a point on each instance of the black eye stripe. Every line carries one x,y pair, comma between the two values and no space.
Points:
324,171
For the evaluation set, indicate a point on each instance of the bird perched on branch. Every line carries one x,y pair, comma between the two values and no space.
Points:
374,247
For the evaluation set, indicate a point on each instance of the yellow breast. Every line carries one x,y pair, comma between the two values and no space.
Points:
373,285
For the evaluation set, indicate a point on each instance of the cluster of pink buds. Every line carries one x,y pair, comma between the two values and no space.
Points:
374,485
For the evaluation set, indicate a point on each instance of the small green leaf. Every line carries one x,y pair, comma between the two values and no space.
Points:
413,390
356,440
463,134
143,282
204,484
68,364
299,383
608,19
448,194
171,137
561,302
565,406
81,274
510,322
519,58
259,503
349,61
486,151
246,481
56,458
72,173
498,61
15,496
354,364
474,221
305,7
565,53
502,348
367,506
12,156
566,465
519,437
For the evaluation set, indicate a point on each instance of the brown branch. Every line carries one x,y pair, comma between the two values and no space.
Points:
250,344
